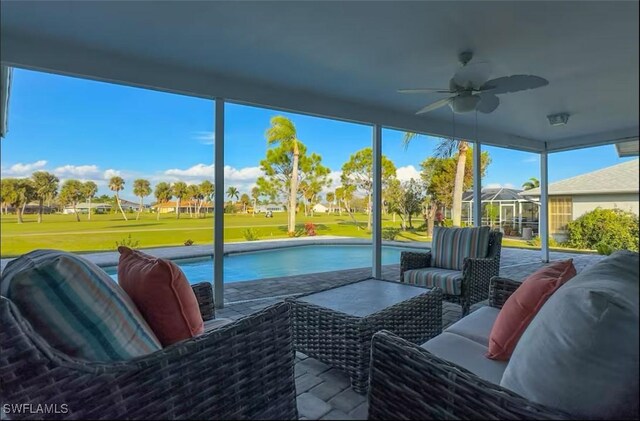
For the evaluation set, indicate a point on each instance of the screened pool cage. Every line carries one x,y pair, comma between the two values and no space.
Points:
504,209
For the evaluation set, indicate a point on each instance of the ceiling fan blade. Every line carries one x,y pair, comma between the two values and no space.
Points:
515,83
472,75
435,105
424,91
488,103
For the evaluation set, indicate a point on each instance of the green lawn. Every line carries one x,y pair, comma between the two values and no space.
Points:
101,233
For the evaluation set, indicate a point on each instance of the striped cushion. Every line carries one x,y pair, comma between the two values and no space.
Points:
450,281
450,246
76,307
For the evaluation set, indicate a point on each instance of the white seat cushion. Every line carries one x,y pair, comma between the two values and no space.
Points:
477,325
466,353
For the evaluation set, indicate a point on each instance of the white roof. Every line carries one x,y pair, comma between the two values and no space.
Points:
620,178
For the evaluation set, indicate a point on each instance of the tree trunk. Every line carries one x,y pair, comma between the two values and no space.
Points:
294,190
255,205
177,208
456,211
159,206
19,211
370,217
89,214
40,204
76,212
120,207
140,208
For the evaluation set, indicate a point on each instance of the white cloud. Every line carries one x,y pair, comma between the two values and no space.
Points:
407,173
23,170
198,170
205,137
243,174
531,159
82,171
111,173
499,185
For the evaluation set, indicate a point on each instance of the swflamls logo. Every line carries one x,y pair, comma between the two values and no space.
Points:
33,408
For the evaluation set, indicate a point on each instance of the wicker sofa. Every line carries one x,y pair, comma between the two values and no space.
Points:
235,370
475,273
567,357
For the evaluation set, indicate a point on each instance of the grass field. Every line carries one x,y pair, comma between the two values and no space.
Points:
103,231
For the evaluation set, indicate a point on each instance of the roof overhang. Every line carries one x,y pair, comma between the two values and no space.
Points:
345,60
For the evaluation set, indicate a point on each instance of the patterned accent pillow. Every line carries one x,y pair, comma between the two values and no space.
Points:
450,246
76,307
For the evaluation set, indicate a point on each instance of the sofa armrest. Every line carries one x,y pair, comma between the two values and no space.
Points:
243,370
204,295
500,289
413,260
408,382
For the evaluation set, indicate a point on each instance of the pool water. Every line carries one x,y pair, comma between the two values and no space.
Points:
283,262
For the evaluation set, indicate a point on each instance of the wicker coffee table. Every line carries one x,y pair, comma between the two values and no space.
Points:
335,325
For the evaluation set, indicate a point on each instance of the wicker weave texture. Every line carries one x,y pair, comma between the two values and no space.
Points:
204,295
476,273
244,370
344,341
407,382
500,289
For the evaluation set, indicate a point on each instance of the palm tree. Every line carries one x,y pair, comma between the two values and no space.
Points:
163,194
179,191
141,188
448,148
283,131
46,186
232,193
532,183
89,190
116,184
331,197
193,193
71,193
206,191
255,195
244,199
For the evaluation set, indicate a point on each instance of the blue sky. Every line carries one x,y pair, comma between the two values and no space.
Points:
90,130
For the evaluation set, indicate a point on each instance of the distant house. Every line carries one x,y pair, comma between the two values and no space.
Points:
84,208
185,205
320,208
128,205
608,188
512,212
273,207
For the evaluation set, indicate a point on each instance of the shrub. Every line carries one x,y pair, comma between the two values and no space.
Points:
189,242
250,234
604,230
128,242
447,222
310,229
390,233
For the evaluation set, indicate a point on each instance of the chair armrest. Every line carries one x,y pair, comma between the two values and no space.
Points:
500,289
476,274
243,370
413,260
204,295
408,382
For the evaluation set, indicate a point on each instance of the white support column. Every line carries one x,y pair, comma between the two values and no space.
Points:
218,220
520,218
376,232
477,184
543,230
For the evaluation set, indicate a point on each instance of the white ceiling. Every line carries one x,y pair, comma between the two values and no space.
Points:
346,59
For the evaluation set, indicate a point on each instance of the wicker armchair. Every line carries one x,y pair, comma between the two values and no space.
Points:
408,382
476,273
242,370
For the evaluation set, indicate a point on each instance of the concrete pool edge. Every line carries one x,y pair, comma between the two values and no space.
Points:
110,258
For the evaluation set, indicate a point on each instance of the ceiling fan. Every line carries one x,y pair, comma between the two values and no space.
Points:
470,90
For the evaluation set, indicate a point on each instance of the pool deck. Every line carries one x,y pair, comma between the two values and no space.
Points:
325,392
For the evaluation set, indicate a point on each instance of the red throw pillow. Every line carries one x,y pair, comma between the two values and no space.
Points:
162,294
522,306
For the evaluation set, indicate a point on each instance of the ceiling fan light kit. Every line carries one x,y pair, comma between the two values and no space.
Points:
469,90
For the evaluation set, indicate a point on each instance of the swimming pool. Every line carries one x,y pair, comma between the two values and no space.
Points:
283,262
